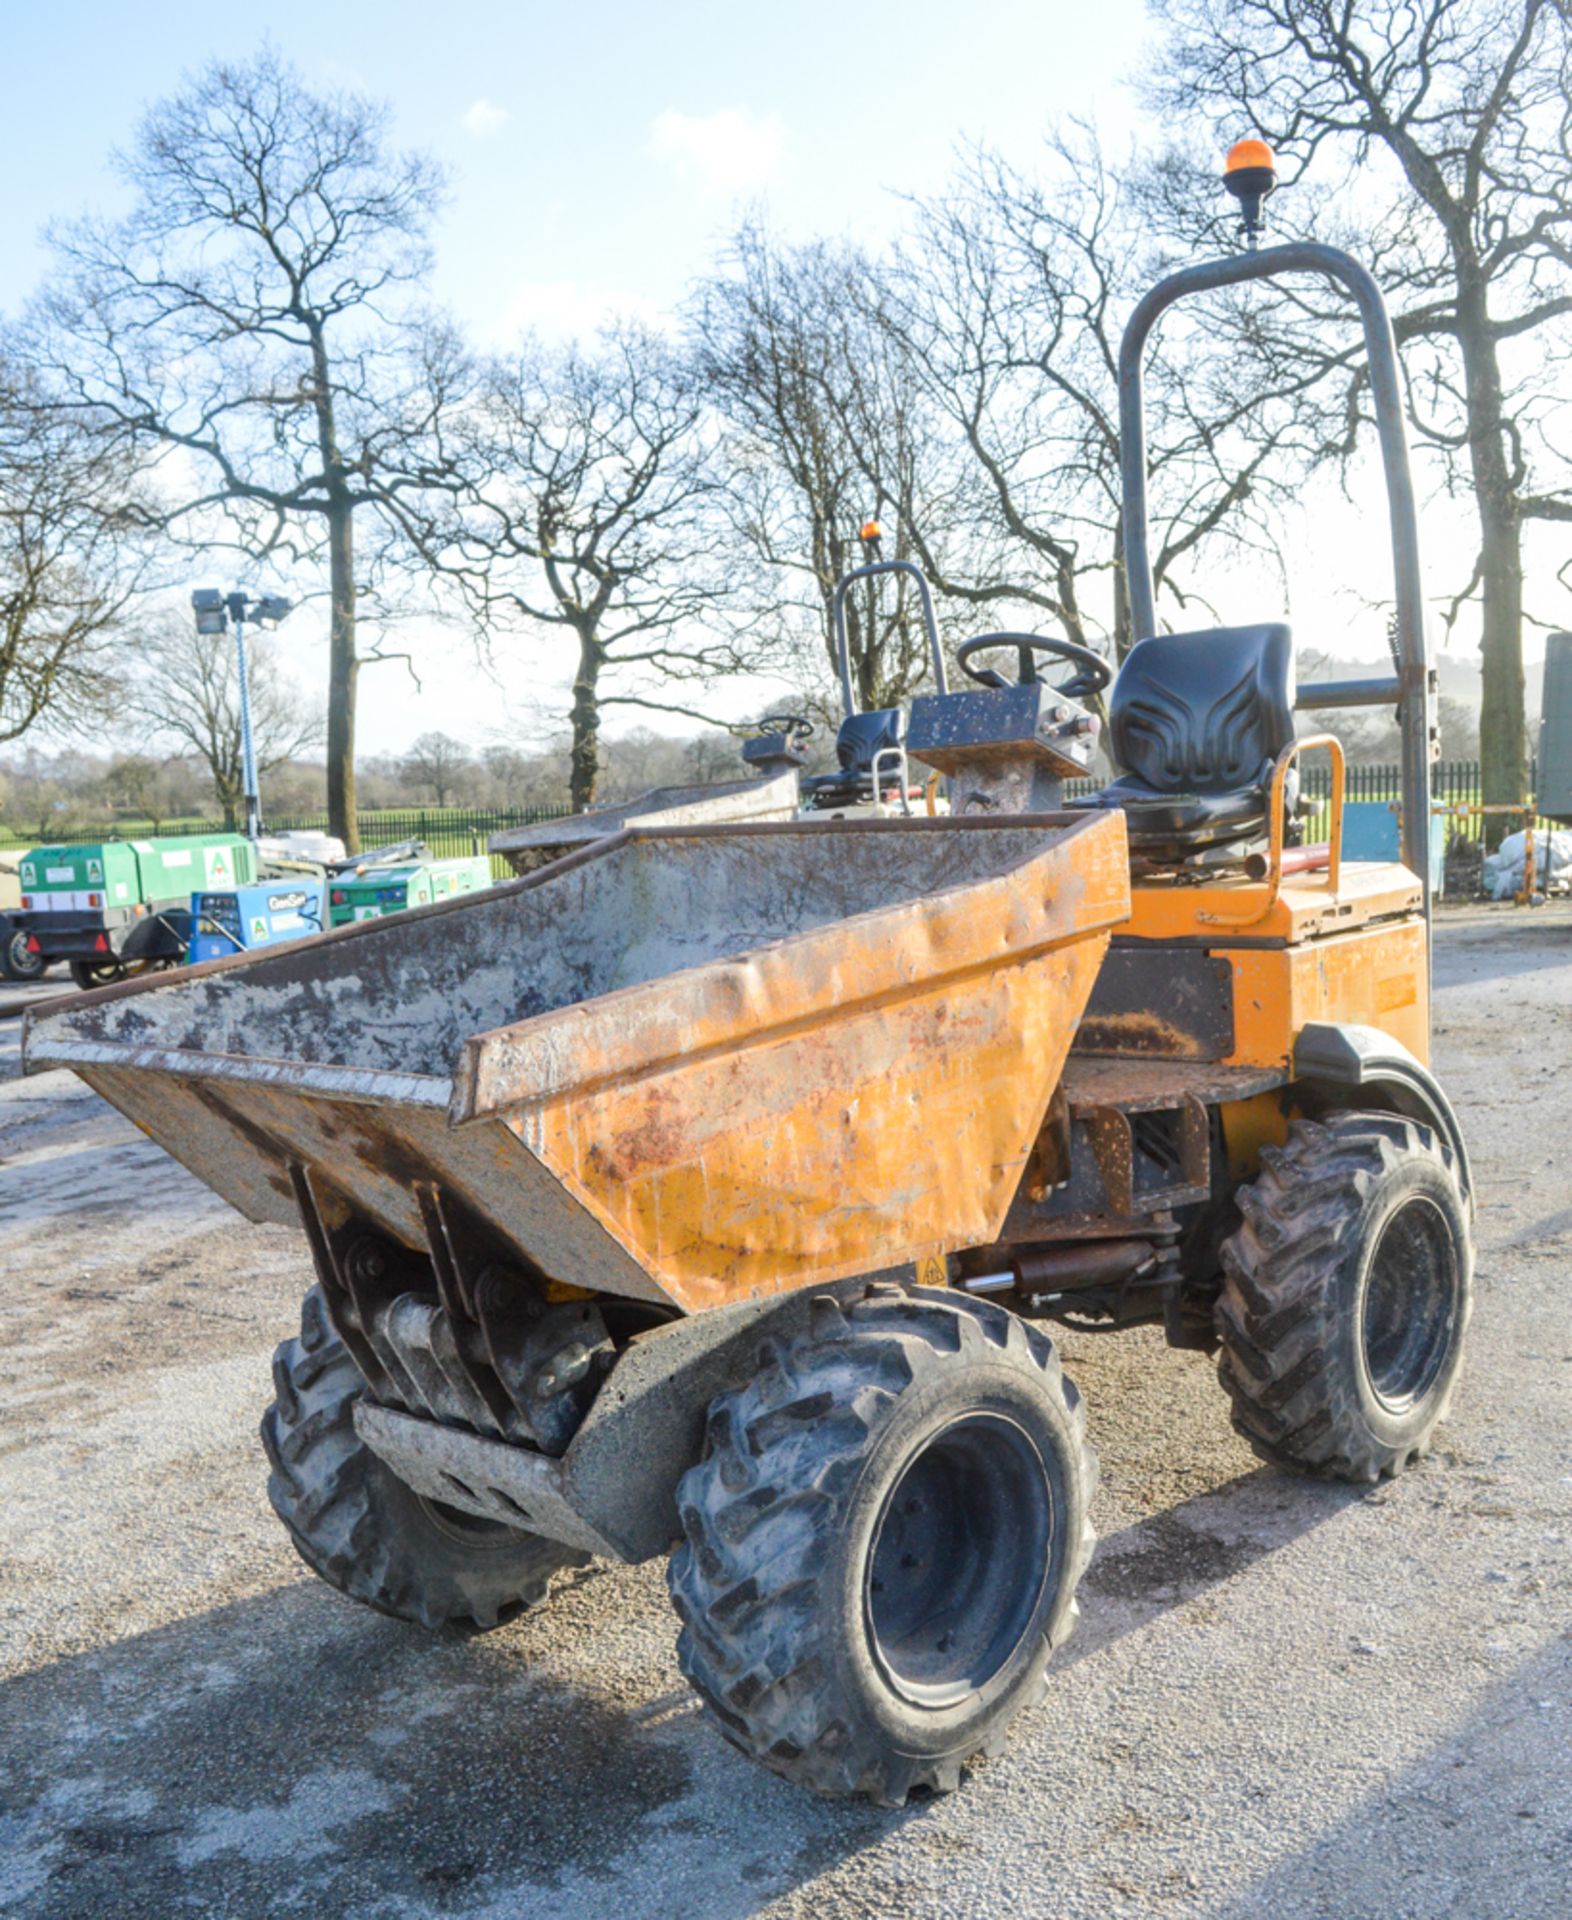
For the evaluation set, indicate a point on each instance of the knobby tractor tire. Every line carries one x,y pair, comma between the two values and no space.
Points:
883,1540
1346,1294
360,1527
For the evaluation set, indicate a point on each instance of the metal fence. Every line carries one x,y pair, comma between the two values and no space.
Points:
1453,783
450,832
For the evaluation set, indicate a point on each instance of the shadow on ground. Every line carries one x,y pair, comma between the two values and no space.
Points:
292,1751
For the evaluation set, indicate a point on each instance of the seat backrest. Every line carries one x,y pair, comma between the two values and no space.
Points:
1202,712
863,735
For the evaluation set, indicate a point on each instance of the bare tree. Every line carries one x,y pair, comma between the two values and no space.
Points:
824,425
438,763
254,320
68,569
1444,129
188,693
1010,300
593,521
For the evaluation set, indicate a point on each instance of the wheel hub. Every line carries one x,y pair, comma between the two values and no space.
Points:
1411,1292
959,1560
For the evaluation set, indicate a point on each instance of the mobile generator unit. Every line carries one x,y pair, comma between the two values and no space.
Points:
113,908
711,1191
366,891
238,919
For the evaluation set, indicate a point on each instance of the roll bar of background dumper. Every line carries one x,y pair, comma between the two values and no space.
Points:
1409,689
838,609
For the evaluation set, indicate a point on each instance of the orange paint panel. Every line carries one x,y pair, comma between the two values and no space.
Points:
831,1151
1374,976
1303,910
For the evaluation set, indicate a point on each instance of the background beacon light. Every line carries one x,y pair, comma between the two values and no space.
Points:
1250,174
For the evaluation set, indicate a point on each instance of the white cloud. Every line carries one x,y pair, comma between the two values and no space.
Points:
484,119
728,152
566,309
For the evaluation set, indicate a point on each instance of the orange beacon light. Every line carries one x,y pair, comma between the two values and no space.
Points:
1250,174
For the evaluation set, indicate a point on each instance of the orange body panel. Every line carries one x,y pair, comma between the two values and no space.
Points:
1303,910
846,1100
863,1141
1373,977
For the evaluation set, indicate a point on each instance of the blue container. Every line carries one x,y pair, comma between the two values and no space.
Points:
237,919
1370,833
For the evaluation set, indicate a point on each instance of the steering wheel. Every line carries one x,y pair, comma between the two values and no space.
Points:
1092,671
796,726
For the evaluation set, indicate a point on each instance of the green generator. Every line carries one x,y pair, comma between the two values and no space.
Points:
112,907
368,894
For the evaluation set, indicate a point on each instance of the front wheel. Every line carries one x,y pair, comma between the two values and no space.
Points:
883,1541
354,1522
1346,1294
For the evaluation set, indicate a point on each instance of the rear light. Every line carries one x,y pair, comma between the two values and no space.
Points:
138,910
34,944
27,903
338,896
95,900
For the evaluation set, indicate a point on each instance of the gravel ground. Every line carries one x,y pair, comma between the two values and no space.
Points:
1284,1701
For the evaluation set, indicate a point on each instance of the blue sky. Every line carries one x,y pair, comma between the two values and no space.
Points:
598,156
595,150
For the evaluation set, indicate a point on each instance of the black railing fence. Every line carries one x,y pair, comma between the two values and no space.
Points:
1453,784
454,831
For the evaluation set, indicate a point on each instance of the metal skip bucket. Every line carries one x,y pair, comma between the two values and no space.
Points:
687,1066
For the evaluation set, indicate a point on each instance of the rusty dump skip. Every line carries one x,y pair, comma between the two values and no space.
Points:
688,1066
526,849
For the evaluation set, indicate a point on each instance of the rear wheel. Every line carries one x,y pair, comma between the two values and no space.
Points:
882,1542
1347,1291
16,963
360,1527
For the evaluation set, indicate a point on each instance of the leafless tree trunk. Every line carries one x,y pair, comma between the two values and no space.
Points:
593,520
255,320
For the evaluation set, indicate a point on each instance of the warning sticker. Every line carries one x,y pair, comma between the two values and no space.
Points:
95,869
217,865
258,927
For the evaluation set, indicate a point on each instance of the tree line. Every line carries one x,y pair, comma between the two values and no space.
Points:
249,362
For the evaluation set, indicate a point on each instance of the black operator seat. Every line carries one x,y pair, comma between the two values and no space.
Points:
1196,722
862,738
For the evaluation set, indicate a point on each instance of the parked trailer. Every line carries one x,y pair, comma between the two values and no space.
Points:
115,907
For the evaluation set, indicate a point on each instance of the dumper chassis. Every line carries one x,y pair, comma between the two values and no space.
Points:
710,1187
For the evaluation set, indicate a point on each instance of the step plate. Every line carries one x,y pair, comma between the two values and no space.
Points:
484,1477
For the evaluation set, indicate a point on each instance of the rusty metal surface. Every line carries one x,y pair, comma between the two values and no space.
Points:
684,1066
527,848
484,1477
1140,1086
1175,1002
